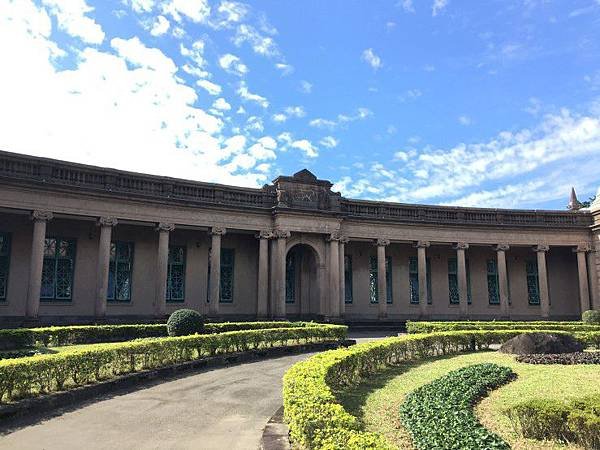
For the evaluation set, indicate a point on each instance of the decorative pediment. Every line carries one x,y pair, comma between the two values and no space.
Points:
305,176
304,190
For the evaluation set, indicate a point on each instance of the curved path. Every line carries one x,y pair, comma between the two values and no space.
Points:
225,409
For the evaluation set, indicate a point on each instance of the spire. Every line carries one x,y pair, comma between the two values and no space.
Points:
574,204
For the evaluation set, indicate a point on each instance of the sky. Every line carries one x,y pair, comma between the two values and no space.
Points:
492,103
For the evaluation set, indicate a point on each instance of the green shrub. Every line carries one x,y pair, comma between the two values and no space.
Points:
430,327
545,419
184,322
440,414
311,410
591,317
54,372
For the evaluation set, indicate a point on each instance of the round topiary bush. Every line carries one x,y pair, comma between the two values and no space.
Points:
184,322
591,316
541,343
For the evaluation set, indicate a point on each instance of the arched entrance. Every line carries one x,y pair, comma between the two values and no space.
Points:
302,292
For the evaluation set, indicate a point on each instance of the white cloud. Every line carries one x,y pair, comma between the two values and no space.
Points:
229,13
196,55
141,6
307,147
361,114
221,104
71,17
264,148
305,87
322,123
438,6
286,69
245,94
194,10
262,45
295,111
160,26
137,54
329,142
233,64
464,120
407,5
254,123
279,117
371,58
209,86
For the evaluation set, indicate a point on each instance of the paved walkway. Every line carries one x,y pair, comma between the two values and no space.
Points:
224,408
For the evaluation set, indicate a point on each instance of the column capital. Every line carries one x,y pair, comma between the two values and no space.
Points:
220,231
541,248
107,221
264,234
381,242
281,234
344,239
42,215
334,236
503,247
584,247
461,246
165,227
422,244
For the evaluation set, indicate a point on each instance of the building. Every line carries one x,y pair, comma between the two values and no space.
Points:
87,244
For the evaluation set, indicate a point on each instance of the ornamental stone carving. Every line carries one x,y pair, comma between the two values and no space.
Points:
264,234
304,191
165,227
541,248
281,234
217,231
107,222
460,246
382,242
42,215
344,239
583,248
501,247
422,244
334,236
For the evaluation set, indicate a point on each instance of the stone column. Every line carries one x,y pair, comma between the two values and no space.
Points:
215,270
262,290
278,274
582,271
342,278
162,266
501,250
334,274
541,250
593,280
36,263
106,225
422,268
461,272
381,277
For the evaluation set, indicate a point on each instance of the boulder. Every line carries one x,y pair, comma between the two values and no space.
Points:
541,343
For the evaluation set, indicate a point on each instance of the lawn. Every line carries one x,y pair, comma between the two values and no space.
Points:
376,402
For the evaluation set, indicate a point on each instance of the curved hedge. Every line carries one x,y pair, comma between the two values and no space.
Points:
317,420
430,327
47,373
12,339
440,414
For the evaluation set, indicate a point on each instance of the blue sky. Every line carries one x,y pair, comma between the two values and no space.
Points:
492,103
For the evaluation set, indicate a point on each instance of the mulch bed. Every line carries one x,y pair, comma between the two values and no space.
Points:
561,358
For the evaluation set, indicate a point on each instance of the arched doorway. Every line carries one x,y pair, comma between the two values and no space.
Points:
302,292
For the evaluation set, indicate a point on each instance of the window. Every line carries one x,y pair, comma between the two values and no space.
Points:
176,275
533,282
290,278
4,263
413,279
227,263
348,295
373,288
57,271
119,272
453,281
493,282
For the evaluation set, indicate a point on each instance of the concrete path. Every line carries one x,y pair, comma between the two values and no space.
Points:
225,409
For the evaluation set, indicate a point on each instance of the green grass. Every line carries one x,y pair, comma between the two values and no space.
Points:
376,402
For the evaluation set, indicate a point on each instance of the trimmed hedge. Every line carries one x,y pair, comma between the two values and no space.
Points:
18,338
575,421
47,373
561,358
317,420
430,327
591,317
440,414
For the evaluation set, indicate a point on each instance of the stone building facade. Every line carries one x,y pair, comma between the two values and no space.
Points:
87,244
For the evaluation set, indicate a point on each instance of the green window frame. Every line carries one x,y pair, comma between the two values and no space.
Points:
453,293
4,265
533,282
57,270
493,282
176,274
290,278
120,271
348,293
373,286
227,271
413,280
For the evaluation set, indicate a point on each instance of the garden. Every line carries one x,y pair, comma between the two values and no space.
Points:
453,385
41,361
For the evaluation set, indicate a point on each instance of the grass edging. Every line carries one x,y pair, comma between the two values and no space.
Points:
440,414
